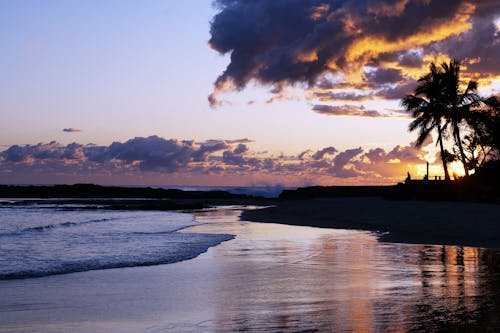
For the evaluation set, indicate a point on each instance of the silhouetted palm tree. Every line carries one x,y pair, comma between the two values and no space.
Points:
428,109
458,105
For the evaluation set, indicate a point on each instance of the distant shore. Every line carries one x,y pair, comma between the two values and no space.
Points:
409,221
125,198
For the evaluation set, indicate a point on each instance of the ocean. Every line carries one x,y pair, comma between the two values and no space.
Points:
47,239
266,278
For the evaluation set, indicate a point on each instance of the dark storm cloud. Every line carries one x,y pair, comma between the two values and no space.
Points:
384,75
283,42
479,47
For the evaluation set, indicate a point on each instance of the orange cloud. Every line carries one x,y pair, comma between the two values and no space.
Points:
370,47
343,38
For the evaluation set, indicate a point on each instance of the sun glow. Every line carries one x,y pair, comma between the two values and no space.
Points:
456,169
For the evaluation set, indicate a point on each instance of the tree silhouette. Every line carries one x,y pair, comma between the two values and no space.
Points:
492,126
429,109
458,105
485,124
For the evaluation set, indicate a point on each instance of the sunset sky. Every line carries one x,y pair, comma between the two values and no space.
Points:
230,92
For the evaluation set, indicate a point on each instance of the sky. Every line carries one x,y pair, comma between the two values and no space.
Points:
227,92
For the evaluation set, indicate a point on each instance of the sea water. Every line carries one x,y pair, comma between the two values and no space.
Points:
46,239
270,278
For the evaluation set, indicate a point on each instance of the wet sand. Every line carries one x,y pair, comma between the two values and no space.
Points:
416,222
271,278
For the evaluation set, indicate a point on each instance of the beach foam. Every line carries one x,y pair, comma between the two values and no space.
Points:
38,241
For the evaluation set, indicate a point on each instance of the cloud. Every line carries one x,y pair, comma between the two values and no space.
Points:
479,47
71,130
245,140
384,75
156,160
377,162
397,91
333,96
341,161
372,46
412,59
241,149
207,148
356,111
325,151
346,110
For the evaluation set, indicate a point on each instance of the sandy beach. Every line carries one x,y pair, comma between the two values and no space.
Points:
270,278
416,222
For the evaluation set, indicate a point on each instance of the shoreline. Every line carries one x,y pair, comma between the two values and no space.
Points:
368,208
411,222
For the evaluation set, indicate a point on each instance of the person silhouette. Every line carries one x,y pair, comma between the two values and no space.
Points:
408,178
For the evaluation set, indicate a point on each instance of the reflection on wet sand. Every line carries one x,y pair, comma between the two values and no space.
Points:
282,278
459,288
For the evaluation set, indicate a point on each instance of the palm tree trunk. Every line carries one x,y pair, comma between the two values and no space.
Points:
456,131
443,158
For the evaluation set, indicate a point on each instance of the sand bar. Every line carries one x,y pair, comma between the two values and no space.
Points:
418,222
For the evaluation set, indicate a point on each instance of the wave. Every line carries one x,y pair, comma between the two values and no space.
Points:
65,225
40,242
180,253
49,227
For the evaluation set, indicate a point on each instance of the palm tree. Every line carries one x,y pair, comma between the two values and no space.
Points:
458,104
428,109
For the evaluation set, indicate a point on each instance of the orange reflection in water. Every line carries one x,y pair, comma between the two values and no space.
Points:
288,278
